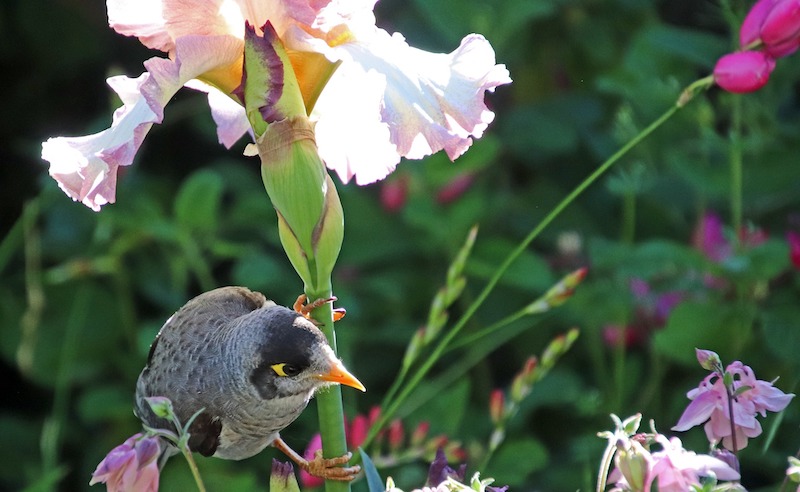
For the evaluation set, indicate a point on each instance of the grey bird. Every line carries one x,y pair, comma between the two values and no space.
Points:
251,365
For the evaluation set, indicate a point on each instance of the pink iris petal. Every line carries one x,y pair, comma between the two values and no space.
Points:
143,19
743,71
86,167
159,23
228,114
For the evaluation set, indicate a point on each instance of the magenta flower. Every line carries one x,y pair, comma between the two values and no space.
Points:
709,405
775,24
677,470
793,238
131,466
385,101
743,71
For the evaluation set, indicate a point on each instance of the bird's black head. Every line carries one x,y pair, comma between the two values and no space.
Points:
291,356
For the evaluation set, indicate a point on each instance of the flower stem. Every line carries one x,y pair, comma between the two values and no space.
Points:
193,467
736,168
391,407
329,402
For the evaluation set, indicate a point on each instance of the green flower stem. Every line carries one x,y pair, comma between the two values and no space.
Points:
736,168
193,467
329,402
391,407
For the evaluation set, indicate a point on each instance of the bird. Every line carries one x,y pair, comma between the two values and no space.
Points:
251,366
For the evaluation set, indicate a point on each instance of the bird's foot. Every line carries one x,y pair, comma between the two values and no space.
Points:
330,468
325,468
305,309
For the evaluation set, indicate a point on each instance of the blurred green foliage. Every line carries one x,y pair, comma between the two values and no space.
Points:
82,293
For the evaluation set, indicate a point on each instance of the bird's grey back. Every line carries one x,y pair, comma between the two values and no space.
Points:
180,359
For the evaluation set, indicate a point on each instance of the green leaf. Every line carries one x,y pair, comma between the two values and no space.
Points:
781,333
197,204
515,460
723,328
374,482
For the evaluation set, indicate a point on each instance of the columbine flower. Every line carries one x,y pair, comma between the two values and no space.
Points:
131,466
710,405
387,100
676,469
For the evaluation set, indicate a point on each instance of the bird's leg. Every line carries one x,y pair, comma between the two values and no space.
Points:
305,309
325,468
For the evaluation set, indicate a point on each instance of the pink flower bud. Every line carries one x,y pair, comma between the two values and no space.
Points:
793,238
496,405
782,23
393,194
420,433
708,359
454,189
750,31
396,435
358,431
743,71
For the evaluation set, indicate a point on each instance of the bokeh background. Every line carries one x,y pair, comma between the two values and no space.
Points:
82,294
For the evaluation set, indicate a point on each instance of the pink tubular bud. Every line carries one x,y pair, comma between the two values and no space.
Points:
743,71
782,23
496,406
396,435
750,31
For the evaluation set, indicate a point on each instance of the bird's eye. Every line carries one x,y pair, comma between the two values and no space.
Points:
284,369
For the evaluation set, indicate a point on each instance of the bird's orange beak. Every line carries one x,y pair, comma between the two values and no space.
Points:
338,374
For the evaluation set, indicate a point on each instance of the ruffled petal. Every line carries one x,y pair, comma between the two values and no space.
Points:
228,114
352,139
427,101
86,167
143,19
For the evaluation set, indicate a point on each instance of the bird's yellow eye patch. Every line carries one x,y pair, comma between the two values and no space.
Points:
283,369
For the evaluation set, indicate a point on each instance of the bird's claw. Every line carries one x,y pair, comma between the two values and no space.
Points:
305,309
330,468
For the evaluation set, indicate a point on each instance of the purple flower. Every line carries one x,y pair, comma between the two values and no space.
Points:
131,466
710,405
441,471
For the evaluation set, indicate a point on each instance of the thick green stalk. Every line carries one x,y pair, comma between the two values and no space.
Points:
391,407
329,402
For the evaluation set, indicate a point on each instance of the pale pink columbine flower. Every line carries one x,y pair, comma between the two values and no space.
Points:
386,100
670,469
676,470
131,466
751,397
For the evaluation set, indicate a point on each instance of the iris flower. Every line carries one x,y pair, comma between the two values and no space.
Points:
382,99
